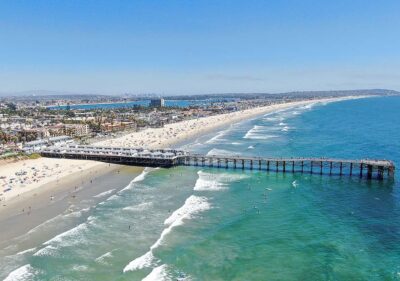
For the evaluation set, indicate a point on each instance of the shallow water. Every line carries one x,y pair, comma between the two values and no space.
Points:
190,223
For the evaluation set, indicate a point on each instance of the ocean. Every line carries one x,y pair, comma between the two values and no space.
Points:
193,223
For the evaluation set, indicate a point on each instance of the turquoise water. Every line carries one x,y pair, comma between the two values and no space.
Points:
192,223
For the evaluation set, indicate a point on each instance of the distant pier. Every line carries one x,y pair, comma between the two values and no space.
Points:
370,169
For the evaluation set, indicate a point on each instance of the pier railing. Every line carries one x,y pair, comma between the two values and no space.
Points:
369,168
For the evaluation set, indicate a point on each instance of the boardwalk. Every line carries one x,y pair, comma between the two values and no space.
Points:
371,169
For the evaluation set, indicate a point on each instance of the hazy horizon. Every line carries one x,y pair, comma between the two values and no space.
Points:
43,93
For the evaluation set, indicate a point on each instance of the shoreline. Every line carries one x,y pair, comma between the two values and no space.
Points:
72,195
66,175
49,170
184,131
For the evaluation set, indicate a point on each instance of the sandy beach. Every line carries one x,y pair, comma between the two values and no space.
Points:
180,132
22,180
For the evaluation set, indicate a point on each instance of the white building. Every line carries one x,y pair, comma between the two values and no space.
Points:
35,146
77,130
61,140
38,145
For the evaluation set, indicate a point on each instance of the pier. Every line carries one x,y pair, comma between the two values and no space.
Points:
370,169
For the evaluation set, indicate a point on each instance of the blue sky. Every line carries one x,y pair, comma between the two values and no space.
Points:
179,47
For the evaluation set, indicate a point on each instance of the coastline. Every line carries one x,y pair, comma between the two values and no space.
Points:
64,177
70,196
180,132
46,170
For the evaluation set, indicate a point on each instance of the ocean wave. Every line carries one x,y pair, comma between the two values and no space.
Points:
217,137
76,214
102,258
26,251
47,251
112,197
74,233
216,151
105,193
80,267
48,222
143,261
158,274
193,205
139,207
259,137
139,178
260,132
25,272
208,181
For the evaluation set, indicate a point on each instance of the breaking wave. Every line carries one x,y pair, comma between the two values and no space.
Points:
193,205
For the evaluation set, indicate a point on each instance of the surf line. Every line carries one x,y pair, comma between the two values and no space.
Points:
193,205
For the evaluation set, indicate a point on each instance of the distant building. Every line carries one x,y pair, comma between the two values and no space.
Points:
34,146
77,130
38,145
120,126
157,102
61,140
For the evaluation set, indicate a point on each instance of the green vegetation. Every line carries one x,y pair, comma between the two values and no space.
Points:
34,156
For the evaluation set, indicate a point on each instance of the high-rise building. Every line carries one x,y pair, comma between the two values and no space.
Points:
157,102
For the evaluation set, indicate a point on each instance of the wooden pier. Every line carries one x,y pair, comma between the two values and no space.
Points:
370,169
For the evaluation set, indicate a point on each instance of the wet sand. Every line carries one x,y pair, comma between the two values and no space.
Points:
22,215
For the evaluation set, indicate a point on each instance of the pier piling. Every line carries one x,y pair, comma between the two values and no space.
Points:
376,169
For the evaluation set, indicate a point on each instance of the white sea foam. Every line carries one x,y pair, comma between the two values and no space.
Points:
48,222
139,178
204,182
139,207
309,106
158,274
112,197
260,133
26,251
105,193
75,233
216,151
102,258
259,136
217,137
236,143
208,181
46,251
193,205
25,272
77,214
80,267
143,261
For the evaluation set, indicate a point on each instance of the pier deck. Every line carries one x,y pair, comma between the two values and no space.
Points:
371,169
